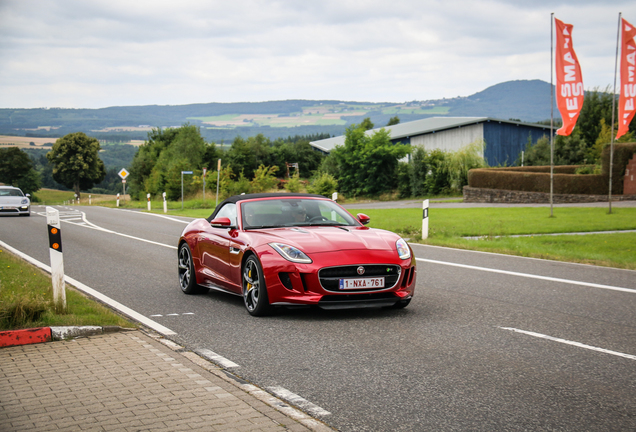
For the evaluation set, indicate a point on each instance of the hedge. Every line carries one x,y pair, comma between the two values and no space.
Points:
537,178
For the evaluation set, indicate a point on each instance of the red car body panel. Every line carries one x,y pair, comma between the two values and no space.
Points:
219,252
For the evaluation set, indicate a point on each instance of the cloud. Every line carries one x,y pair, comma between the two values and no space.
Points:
103,53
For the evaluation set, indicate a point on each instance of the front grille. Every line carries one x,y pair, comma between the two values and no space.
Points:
330,276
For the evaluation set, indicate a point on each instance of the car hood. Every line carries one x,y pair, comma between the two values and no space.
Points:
329,239
11,200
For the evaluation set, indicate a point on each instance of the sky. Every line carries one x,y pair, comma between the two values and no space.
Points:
95,54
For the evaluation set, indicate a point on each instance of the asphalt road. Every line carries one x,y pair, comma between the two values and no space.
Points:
489,342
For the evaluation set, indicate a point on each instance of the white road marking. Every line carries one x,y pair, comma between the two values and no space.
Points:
93,293
90,225
568,342
157,215
300,402
531,276
212,356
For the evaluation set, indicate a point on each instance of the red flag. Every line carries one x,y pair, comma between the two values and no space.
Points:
569,89
628,82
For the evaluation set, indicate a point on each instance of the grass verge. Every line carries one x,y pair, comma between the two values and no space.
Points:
447,227
26,300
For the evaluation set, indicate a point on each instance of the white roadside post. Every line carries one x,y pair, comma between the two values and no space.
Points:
334,196
74,199
55,252
90,200
425,220
117,200
148,196
165,203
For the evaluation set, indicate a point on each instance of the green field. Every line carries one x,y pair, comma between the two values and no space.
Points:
448,227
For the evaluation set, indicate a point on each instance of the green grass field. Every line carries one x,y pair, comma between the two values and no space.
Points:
447,227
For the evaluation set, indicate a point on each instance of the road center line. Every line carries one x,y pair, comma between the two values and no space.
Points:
568,342
96,294
531,276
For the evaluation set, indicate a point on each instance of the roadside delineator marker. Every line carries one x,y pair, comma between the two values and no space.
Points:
117,200
55,253
165,203
148,196
425,219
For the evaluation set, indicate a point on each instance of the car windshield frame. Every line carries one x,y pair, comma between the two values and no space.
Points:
294,212
11,192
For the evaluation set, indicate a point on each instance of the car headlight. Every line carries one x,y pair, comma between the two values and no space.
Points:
403,249
291,253
25,201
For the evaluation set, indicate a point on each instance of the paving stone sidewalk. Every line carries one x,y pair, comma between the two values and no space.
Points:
130,381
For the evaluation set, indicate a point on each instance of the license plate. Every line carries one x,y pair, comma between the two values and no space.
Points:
361,283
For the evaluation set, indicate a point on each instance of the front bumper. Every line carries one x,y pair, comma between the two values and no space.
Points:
299,284
15,210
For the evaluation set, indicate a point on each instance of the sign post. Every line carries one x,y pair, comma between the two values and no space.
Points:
182,173
57,262
123,174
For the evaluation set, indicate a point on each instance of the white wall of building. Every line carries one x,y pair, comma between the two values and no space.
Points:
450,140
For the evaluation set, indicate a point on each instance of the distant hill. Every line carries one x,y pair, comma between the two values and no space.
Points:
528,101
524,100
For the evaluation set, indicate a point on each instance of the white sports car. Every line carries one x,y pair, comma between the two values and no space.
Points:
14,202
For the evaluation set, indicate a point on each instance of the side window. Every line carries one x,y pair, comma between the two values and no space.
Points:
228,211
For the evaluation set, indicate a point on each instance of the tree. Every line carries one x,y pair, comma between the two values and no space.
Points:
76,162
393,121
596,106
16,169
367,164
366,124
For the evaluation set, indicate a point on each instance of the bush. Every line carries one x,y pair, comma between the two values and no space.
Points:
293,184
623,152
264,179
325,184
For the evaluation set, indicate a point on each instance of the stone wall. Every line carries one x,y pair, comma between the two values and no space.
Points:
482,195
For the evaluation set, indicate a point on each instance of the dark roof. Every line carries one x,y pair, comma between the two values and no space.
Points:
236,198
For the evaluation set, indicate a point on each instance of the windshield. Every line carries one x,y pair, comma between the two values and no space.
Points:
11,192
274,213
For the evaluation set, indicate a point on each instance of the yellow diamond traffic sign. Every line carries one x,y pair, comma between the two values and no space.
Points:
123,173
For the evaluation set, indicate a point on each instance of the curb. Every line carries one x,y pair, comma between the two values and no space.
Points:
10,338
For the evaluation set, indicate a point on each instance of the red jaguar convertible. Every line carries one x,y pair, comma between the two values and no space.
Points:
295,249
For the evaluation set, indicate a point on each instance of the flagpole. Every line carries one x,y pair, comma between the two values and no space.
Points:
551,111
611,163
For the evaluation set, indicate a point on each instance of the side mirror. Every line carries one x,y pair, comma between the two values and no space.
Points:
222,222
363,219
28,195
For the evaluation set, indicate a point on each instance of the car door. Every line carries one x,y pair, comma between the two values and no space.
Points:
214,247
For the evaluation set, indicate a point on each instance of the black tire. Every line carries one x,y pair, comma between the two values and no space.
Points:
187,278
254,290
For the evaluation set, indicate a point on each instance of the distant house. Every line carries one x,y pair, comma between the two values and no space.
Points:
505,139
